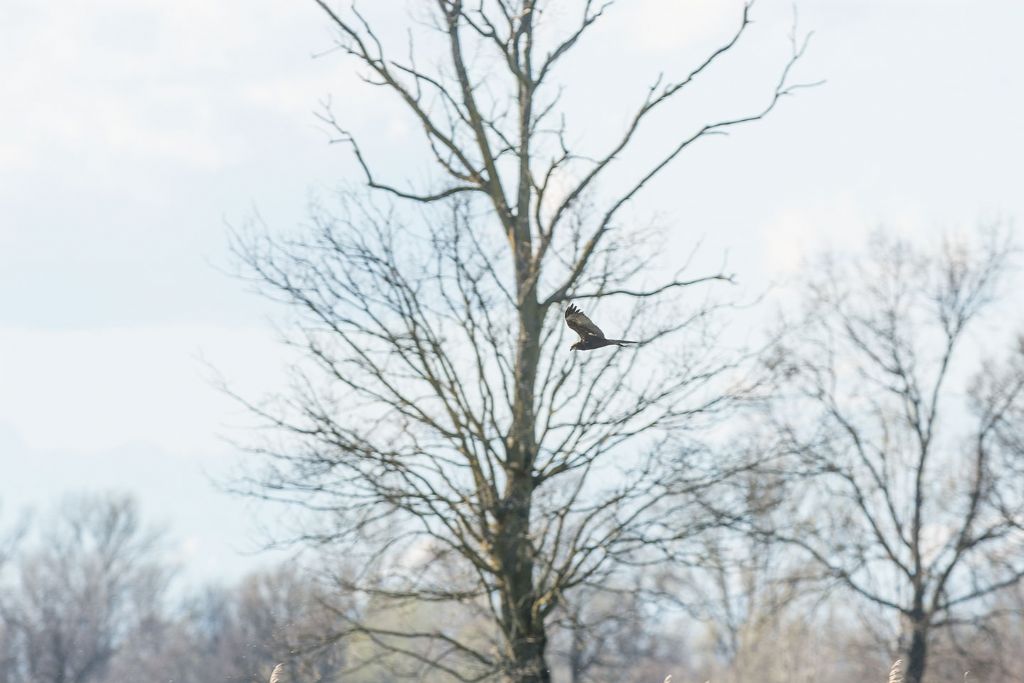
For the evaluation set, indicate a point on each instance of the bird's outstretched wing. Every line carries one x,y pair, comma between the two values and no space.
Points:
275,675
581,324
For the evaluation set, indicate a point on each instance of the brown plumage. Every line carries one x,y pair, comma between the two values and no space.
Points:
591,336
275,675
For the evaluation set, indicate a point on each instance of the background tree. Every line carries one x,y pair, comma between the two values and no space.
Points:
235,634
912,498
436,412
90,579
627,634
8,646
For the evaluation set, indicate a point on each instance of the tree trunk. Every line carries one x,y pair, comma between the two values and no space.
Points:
525,635
576,654
524,626
917,654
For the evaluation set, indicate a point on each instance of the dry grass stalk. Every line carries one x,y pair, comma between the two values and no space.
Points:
896,672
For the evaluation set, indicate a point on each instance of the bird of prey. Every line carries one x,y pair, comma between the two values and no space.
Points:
591,336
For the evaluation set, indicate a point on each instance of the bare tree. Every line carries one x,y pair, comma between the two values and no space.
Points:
624,634
235,634
278,618
912,498
10,537
9,659
439,429
91,579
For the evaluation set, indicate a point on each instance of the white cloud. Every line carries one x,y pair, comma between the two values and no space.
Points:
659,26
841,222
153,80
96,389
800,232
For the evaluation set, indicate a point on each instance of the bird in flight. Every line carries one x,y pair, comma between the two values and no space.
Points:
591,336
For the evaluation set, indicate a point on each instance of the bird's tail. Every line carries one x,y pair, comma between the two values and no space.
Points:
622,342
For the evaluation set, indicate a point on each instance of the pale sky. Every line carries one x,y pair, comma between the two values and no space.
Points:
132,131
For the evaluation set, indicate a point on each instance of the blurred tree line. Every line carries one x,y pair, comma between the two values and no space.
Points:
88,594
